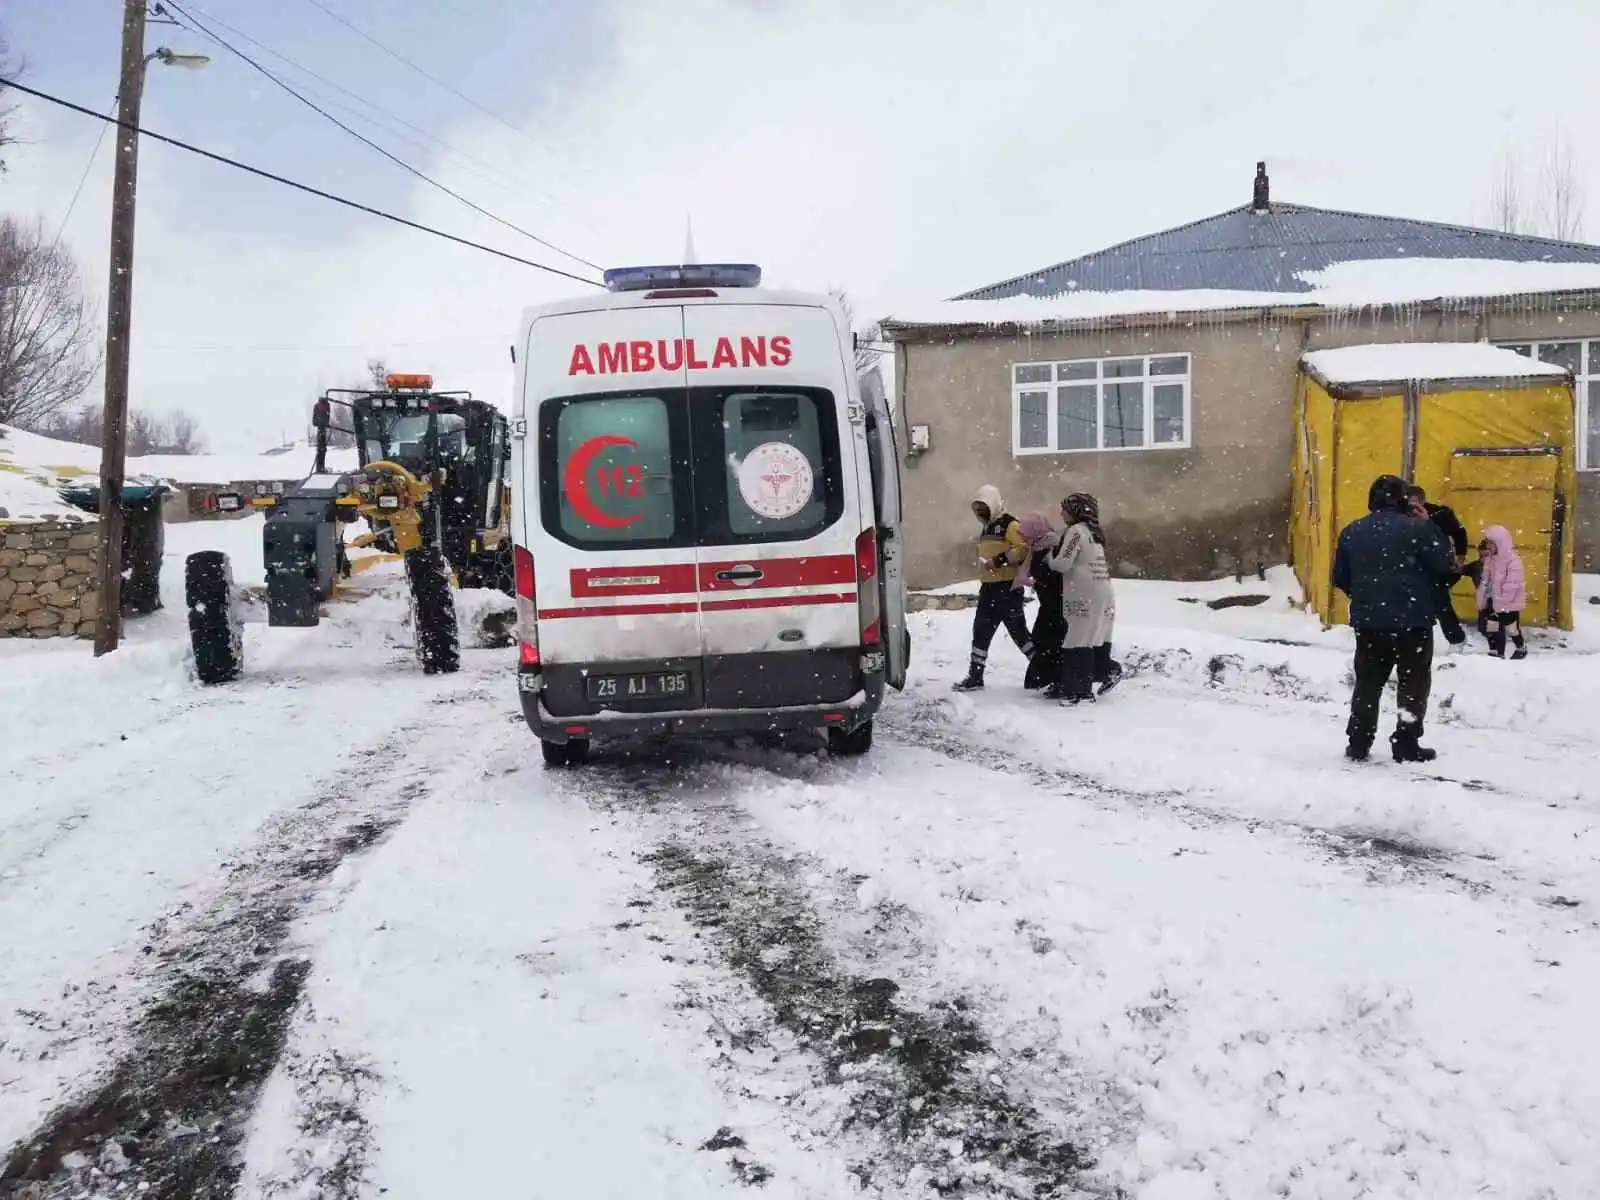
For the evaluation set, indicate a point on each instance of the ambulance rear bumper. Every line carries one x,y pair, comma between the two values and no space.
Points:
848,714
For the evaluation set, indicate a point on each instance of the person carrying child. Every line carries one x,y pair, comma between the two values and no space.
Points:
1502,592
1001,553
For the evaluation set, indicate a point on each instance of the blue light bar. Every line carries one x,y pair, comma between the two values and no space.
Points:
640,279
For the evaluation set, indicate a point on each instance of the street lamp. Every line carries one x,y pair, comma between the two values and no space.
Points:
171,58
119,312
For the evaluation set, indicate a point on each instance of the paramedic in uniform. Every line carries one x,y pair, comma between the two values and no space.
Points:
1001,552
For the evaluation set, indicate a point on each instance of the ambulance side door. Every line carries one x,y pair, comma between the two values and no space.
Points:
883,445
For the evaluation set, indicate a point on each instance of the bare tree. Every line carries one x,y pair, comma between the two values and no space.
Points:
1551,205
144,431
49,340
1561,195
83,424
1505,199
174,432
8,71
341,430
866,356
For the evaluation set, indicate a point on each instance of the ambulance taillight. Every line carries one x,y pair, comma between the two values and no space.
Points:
527,611
867,587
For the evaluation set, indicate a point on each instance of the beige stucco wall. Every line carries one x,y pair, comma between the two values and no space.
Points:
1219,507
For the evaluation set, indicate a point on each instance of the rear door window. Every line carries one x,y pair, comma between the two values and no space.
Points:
614,470
767,463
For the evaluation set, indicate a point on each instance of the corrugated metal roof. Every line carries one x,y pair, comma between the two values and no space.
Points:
1244,250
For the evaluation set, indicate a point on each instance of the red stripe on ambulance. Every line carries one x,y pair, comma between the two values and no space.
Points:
674,354
781,572
669,579
679,579
663,609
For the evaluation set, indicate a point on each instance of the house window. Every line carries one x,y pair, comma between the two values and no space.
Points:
1093,404
1582,358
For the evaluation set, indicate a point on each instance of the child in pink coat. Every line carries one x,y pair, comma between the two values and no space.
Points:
1502,592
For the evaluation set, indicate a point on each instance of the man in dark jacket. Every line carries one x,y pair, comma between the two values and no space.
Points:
1390,564
1446,521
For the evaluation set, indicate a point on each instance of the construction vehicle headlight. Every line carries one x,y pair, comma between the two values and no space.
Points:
229,501
388,501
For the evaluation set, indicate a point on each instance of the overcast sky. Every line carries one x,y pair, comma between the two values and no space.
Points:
897,149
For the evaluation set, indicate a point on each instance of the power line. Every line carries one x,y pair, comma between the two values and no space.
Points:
302,347
171,6
83,179
507,183
404,61
301,187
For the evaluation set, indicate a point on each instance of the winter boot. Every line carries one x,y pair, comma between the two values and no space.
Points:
1407,747
1357,751
973,682
1113,677
1520,652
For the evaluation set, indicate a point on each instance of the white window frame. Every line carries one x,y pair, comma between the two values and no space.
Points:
1588,372
1058,369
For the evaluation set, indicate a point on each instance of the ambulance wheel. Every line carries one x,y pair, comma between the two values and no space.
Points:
573,753
847,743
216,635
433,611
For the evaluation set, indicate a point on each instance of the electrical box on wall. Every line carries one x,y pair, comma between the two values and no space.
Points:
921,440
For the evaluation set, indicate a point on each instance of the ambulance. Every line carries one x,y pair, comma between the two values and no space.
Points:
707,516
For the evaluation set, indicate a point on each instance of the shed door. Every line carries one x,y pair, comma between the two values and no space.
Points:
1515,488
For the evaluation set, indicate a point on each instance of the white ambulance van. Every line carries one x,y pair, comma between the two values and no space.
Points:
706,515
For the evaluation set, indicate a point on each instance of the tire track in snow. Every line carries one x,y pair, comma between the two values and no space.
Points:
169,1117
927,1101
1385,858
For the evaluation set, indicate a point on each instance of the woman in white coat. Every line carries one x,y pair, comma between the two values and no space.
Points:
1086,600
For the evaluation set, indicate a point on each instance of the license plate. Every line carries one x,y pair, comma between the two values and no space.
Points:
647,685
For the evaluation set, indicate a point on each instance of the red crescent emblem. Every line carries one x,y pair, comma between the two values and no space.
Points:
575,482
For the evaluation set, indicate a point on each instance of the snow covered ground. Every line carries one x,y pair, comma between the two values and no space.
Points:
29,460
334,931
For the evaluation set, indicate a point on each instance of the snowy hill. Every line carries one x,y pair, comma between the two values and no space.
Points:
27,491
32,467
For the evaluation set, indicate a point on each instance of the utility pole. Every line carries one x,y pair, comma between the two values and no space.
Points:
119,322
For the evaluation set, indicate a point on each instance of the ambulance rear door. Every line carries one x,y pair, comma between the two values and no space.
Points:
611,523
779,501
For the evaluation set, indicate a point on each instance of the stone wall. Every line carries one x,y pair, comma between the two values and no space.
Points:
48,586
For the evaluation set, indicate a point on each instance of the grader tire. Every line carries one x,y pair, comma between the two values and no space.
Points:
433,612
216,635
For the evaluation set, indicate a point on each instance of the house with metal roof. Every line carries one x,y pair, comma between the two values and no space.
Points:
1160,374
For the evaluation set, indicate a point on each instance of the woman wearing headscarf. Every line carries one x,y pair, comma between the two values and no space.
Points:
1050,625
1087,603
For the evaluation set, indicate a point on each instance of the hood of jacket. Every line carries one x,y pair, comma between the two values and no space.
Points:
1499,537
1037,531
989,496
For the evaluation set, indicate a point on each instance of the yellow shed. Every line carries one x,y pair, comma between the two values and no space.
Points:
1487,431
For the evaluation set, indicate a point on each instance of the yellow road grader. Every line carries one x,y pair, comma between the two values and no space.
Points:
431,487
